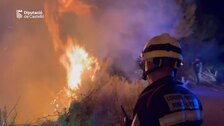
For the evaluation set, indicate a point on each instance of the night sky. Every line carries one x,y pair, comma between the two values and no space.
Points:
213,7
216,9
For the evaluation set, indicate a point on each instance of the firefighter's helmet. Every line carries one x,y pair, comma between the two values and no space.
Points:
163,50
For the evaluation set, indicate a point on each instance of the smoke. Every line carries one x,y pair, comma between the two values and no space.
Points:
118,30
115,30
206,51
29,67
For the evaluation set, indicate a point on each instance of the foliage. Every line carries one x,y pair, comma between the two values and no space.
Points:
100,105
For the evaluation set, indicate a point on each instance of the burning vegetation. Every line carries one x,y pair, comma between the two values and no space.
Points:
97,44
92,92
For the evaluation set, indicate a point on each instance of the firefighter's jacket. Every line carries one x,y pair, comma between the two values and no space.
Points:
166,103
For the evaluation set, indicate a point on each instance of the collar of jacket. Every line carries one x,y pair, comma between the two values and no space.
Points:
158,83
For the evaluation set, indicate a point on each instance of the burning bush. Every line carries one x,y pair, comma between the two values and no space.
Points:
101,105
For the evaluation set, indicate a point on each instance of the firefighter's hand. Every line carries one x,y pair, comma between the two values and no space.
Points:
127,121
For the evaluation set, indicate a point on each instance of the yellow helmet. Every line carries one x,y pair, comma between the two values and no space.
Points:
162,46
162,50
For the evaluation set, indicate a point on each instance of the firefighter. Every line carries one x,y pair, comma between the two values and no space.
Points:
164,102
197,64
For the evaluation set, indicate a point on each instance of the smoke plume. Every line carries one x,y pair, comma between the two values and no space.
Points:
115,30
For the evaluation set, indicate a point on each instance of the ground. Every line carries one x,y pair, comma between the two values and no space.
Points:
212,99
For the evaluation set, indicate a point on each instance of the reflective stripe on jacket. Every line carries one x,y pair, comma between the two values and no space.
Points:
167,103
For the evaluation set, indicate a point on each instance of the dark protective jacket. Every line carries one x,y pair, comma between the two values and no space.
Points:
166,103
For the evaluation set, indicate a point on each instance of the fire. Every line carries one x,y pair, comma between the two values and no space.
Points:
75,6
76,60
79,64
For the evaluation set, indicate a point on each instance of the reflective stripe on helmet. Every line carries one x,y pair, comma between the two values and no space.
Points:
166,47
161,53
163,39
162,46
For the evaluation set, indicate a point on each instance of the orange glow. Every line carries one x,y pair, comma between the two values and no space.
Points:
74,6
76,60
53,28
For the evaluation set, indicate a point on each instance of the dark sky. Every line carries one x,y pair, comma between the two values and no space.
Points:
213,7
216,8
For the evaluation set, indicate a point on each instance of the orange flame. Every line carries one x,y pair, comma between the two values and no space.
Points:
52,15
74,6
74,58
